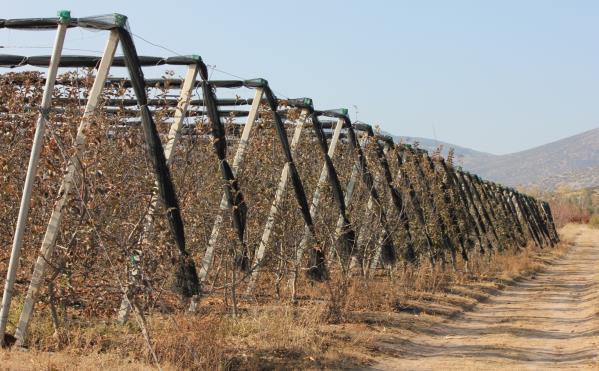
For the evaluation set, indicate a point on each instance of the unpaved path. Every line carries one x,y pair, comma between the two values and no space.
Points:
548,321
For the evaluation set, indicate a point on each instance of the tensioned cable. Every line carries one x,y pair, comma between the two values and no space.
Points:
213,67
46,47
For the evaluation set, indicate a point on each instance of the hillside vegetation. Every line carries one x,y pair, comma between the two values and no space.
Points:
571,162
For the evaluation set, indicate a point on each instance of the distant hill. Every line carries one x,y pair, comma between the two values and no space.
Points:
572,162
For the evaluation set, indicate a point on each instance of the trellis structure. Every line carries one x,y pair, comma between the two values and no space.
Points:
373,202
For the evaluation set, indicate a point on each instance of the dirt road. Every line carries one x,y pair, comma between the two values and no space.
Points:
548,321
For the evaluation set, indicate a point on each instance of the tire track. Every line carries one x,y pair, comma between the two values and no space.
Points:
548,321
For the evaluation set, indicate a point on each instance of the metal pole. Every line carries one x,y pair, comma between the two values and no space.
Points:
224,205
319,186
173,137
48,244
31,172
274,208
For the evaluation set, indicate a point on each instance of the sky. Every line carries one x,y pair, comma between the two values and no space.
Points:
496,76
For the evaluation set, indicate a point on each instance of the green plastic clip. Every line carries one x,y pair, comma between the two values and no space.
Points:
195,57
262,81
120,19
344,111
308,101
64,16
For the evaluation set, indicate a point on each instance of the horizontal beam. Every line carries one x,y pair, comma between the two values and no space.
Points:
13,61
104,22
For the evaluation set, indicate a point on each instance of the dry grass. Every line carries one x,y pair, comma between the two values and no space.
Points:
282,335
94,257
569,232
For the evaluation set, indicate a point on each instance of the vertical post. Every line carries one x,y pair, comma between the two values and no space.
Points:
549,218
522,213
500,212
469,182
319,186
173,137
457,214
374,196
224,204
455,185
395,200
543,221
324,176
510,214
528,201
48,244
36,148
418,158
182,106
403,176
349,193
274,208
473,210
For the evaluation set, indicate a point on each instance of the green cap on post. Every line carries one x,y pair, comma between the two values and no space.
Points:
120,19
195,57
344,111
64,16
308,101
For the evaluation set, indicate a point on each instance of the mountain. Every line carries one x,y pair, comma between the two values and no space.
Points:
465,157
571,162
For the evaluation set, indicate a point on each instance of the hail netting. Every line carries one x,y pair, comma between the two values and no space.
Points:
316,268
347,238
448,213
114,191
369,183
467,220
416,208
388,254
232,191
186,280
101,207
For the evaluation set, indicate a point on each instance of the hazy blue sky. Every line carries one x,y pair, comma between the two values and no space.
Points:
498,76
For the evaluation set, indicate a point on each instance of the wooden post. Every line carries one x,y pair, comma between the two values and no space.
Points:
405,181
500,212
418,157
36,148
173,137
349,193
459,192
274,208
395,200
495,212
224,205
360,241
315,203
48,244
369,181
522,213
473,210
452,199
510,214
543,221
549,216
319,186
484,209
531,205
447,222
